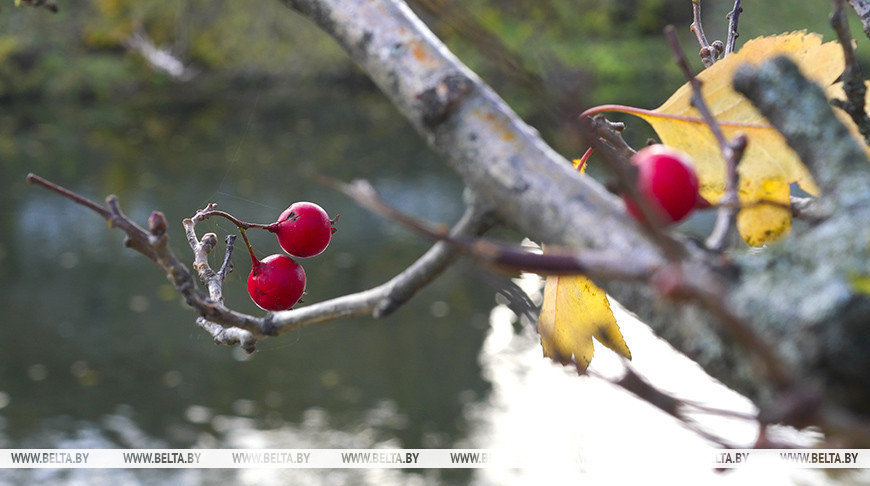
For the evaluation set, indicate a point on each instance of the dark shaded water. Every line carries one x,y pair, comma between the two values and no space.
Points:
91,330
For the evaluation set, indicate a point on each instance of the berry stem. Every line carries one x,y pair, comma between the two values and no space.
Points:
580,164
254,260
243,225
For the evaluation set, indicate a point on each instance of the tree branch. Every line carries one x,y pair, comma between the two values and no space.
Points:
230,327
505,163
387,297
824,318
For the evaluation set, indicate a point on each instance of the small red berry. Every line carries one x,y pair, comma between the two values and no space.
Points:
666,183
276,282
303,229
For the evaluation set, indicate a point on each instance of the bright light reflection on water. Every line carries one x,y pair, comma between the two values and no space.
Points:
557,426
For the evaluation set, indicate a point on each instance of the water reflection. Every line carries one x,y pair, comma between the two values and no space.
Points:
89,327
96,351
558,427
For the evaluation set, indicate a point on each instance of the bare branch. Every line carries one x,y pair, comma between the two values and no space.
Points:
733,18
35,179
808,209
385,298
229,336
853,79
499,255
709,52
726,221
227,265
231,327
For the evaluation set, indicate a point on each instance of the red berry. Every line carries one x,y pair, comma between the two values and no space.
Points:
666,183
276,282
303,229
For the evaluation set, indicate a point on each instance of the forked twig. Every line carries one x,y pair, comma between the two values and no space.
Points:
709,52
732,152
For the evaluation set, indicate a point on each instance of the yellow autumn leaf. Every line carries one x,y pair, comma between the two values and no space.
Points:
769,165
767,156
574,311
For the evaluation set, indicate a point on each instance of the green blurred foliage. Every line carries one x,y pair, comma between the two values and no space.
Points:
606,51
615,51
548,58
80,52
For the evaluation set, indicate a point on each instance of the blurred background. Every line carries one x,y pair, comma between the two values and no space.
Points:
96,350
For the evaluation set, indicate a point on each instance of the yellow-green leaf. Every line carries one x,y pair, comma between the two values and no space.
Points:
574,311
761,223
769,165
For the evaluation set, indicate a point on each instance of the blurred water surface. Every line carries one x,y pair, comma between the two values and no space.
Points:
96,351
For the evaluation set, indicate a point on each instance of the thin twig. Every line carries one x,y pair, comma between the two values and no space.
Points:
732,151
605,138
209,211
696,25
697,99
700,284
853,80
709,52
35,179
227,265
724,231
733,17
670,404
499,255
808,209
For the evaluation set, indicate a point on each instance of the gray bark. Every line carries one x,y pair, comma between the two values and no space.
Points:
798,296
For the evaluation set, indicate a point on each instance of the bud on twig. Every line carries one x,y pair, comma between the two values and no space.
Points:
157,223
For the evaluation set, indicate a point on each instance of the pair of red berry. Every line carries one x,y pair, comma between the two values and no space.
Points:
666,184
277,282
